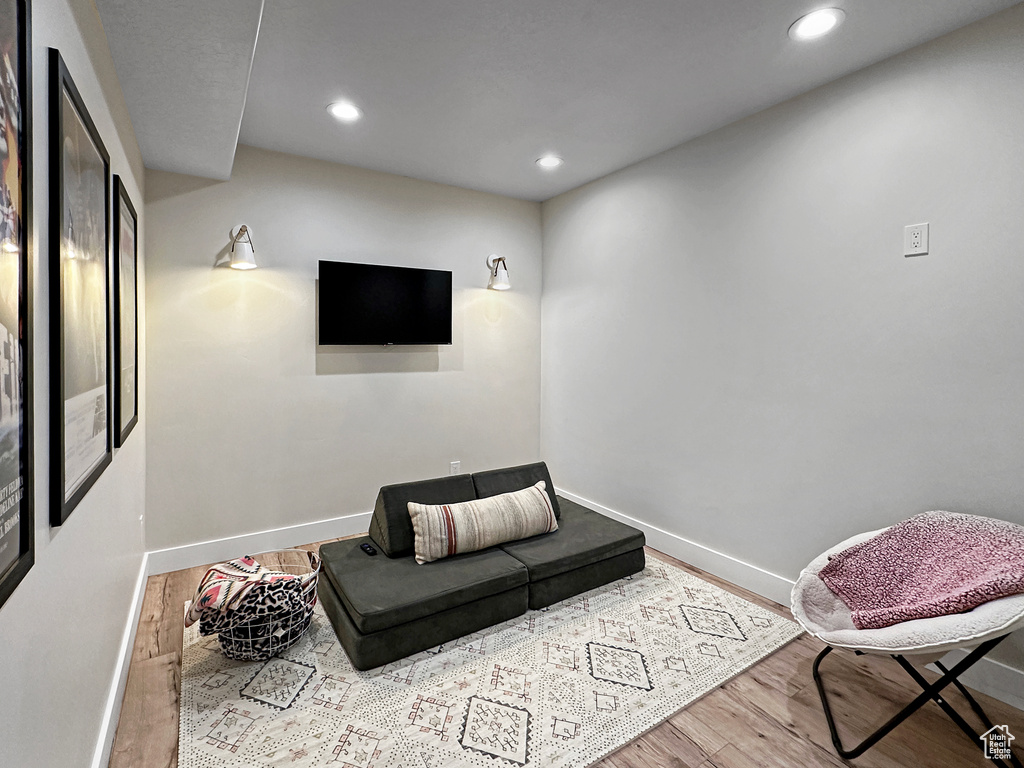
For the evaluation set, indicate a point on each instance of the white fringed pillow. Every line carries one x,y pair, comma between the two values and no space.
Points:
443,530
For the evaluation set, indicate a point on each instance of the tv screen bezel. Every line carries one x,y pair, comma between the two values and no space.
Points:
364,340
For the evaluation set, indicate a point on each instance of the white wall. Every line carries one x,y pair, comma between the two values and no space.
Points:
735,349
250,426
62,629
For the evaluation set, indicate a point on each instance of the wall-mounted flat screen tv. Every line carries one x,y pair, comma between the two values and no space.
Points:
373,304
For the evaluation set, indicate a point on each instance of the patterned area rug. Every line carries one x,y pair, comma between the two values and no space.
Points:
563,686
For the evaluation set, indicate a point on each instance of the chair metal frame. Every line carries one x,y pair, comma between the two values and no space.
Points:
929,692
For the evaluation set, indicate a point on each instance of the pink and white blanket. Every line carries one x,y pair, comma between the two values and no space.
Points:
225,585
933,564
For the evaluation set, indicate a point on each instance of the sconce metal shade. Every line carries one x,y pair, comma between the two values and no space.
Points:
243,255
499,273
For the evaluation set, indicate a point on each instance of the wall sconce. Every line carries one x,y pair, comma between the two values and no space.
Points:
499,273
243,255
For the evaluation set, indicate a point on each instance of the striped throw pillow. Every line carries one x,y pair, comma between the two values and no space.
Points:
442,530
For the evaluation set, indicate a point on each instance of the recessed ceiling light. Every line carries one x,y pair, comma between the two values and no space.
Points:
549,161
345,111
816,24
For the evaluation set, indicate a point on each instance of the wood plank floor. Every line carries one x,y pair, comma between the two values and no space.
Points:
766,717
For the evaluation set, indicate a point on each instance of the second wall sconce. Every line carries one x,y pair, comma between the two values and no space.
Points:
243,255
499,273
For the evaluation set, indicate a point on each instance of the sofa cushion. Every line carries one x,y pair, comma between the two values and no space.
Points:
583,537
381,592
547,592
443,530
368,650
496,481
390,526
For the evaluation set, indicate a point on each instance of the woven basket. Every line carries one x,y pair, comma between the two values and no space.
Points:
265,631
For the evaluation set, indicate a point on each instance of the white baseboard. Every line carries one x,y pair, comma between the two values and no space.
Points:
740,573
987,676
187,556
219,550
991,677
112,710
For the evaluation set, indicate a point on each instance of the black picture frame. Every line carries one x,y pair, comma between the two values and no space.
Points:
126,314
80,360
17,521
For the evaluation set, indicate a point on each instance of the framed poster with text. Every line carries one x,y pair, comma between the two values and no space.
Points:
17,527
80,420
126,314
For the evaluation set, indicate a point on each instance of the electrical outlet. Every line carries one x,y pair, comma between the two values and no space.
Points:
455,468
915,239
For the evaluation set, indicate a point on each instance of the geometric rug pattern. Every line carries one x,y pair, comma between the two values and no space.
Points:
560,687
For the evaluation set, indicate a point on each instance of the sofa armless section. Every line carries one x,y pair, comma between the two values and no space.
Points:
587,551
382,592
383,609
374,649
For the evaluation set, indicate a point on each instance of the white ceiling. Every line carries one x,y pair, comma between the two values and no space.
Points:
183,67
471,92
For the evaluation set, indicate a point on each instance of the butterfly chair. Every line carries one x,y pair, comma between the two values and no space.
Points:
920,641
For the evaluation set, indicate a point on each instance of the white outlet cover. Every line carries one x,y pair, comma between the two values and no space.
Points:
915,239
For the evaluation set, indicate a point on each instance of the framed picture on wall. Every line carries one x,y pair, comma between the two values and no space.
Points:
17,528
80,420
126,314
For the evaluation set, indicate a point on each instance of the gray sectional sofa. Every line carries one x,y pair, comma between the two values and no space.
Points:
386,607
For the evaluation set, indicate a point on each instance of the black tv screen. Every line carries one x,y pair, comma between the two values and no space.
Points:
372,304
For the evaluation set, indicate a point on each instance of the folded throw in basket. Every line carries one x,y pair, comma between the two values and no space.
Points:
254,611
226,585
